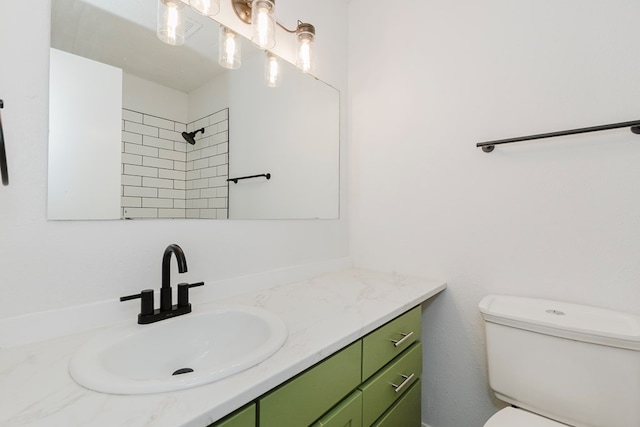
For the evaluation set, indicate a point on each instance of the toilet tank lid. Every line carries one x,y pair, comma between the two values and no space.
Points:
573,321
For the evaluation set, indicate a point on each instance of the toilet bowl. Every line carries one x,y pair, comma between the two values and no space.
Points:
512,417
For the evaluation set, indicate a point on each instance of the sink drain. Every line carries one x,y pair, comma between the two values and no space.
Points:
182,371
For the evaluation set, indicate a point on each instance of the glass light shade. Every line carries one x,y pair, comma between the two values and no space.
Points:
263,23
272,71
230,49
206,7
170,26
305,53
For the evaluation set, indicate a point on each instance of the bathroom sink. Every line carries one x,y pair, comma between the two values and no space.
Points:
179,353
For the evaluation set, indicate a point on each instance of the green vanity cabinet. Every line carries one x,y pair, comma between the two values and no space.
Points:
373,382
244,417
405,412
389,340
382,390
302,400
347,414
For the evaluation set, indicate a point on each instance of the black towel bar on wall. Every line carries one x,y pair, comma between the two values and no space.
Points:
3,155
488,146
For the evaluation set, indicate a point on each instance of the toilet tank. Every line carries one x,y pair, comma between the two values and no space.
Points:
575,364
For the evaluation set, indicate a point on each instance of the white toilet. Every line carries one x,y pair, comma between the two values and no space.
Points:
562,364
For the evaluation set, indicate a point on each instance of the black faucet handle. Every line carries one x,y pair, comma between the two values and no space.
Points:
183,292
146,301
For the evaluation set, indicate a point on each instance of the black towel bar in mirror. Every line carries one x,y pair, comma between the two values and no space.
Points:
235,180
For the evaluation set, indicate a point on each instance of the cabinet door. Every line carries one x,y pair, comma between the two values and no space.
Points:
405,412
305,398
245,417
347,414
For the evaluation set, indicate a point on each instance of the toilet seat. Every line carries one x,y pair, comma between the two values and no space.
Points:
513,417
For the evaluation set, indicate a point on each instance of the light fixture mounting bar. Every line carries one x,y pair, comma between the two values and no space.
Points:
288,30
243,9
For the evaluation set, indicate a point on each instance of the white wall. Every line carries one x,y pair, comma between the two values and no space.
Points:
210,97
47,265
152,98
85,124
555,219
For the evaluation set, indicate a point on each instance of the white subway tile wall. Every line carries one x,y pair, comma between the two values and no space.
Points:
165,177
207,168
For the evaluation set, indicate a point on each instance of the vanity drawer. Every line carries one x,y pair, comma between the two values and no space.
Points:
347,414
384,388
388,341
245,417
306,397
405,412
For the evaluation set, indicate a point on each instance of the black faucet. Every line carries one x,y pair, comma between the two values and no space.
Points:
147,312
165,292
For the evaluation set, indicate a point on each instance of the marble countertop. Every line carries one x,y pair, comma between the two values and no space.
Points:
322,315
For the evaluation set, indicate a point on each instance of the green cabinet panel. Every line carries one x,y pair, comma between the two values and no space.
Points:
378,348
244,417
370,383
302,400
382,390
405,412
347,414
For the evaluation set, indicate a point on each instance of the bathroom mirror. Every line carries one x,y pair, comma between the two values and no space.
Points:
121,100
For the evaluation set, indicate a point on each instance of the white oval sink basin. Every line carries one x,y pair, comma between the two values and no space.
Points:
141,359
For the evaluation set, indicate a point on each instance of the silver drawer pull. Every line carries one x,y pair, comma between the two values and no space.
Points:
407,379
403,339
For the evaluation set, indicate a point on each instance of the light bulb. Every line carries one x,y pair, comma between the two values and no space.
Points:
273,75
170,26
206,7
305,58
230,49
263,23
263,27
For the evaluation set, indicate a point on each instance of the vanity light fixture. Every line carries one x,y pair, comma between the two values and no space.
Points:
272,72
260,14
206,7
263,23
230,48
170,26
305,34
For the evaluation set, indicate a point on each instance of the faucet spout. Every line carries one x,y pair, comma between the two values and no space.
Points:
166,303
149,314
